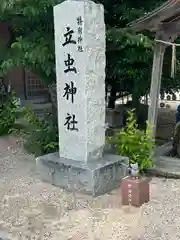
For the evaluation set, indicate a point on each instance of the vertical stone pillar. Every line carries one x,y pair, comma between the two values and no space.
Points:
80,69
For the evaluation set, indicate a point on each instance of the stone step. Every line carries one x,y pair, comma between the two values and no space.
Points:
165,166
163,149
168,162
157,171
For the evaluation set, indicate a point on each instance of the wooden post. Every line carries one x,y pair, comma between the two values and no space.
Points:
156,85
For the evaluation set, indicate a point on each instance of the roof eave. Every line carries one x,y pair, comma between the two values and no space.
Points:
152,20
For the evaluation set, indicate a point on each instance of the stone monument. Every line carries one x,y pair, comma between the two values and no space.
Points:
80,71
80,62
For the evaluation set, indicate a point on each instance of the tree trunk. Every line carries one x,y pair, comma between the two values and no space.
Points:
53,99
106,92
141,112
135,101
112,98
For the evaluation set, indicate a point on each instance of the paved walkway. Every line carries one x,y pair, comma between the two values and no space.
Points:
31,209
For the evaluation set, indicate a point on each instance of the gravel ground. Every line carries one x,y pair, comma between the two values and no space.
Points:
31,209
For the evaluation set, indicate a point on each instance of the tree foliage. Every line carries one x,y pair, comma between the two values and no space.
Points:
129,55
32,36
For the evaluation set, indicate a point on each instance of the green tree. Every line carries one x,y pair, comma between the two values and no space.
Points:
32,36
129,55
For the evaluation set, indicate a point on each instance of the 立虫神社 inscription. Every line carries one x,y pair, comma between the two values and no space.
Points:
80,68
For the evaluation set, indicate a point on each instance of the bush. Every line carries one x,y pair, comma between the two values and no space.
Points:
41,136
7,112
134,143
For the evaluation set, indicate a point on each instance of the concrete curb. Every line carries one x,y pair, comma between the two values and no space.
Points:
162,172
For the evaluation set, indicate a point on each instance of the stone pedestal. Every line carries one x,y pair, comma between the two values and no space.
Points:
4,236
94,178
135,191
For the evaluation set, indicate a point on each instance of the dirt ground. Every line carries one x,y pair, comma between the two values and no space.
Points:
31,209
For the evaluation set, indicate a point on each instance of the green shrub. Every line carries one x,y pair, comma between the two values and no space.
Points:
7,112
134,143
41,136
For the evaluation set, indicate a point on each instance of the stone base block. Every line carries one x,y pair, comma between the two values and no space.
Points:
4,236
95,178
135,191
